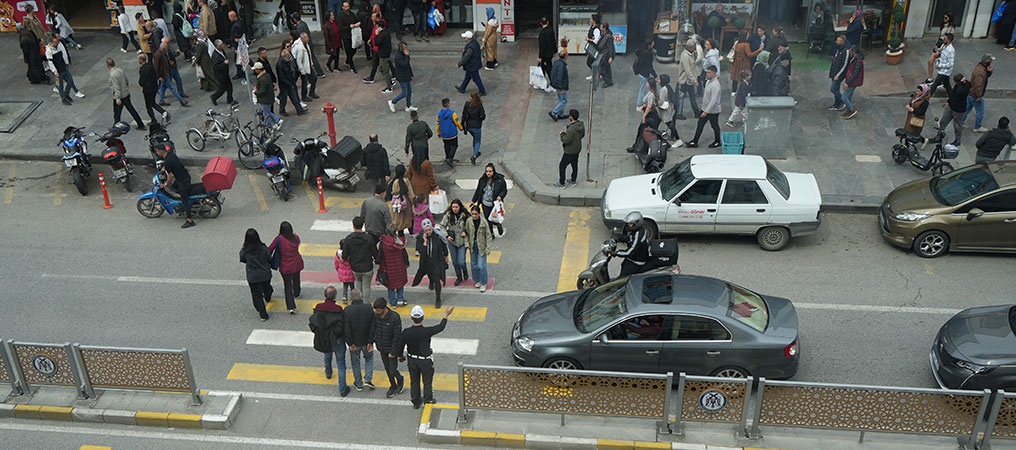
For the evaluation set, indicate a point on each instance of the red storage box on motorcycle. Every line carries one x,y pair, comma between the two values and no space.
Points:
219,174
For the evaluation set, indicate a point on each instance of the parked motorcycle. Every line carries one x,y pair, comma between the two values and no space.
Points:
336,166
152,203
76,157
650,148
906,150
158,137
116,155
662,253
277,166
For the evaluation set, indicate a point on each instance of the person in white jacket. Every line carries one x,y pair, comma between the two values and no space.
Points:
301,54
56,50
710,109
126,31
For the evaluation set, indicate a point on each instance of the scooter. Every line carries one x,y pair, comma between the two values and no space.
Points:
650,148
336,166
76,157
116,155
277,166
906,150
663,257
152,203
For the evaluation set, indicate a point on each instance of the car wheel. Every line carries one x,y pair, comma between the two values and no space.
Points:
652,229
730,372
773,238
562,363
931,244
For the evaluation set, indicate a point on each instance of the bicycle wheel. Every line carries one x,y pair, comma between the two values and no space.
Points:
195,140
251,155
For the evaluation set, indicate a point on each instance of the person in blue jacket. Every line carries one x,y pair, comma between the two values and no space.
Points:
471,62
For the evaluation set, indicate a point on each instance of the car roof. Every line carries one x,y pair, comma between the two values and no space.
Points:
728,166
1004,172
691,294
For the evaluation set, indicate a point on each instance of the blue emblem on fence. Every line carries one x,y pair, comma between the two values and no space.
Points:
44,365
713,400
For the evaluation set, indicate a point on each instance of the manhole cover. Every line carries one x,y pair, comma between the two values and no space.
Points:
12,113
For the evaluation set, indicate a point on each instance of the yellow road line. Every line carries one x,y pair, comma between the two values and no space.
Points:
311,196
576,250
95,447
58,194
344,202
257,192
328,250
927,269
9,197
461,313
316,375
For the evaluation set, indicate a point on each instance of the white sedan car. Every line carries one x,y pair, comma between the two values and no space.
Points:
727,194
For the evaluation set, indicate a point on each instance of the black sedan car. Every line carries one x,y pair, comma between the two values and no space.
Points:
660,323
976,349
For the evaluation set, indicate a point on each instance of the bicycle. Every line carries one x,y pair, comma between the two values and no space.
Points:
214,128
252,152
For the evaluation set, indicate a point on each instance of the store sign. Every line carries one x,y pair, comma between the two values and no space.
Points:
620,38
508,20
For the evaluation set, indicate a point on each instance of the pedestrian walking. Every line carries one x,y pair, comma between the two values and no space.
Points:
955,107
375,161
287,244
760,85
473,116
266,63
247,16
359,336
56,55
399,194
60,25
710,108
144,34
433,260
165,65
606,47
404,76
206,19
665,107
287,83
419,355
203,51
393,262
301,27
154,38
490,38
740,112
454,226
420,9
571,142
470,64
547,49
360,251
220,66
711,57
236,33
779,75
121,94
328,324
417,134
366,16
944,60
396,11
302,55
643,67
978,85
947,27
127,32
855,26
687,78
375,213
344,272
991,144
448,127
333,43
758,40
36,72
348,24
421,212
421,176
837,69
559,81
149,83
743,56
388,340
481,243
264,93
259,270
381,43
916,109
491,187
855,78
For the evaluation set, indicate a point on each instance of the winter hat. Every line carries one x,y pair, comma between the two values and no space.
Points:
417,312
426,223
690,42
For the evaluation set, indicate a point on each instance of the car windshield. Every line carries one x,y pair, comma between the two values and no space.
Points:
601,305
957,187
747,307
778,180
675,179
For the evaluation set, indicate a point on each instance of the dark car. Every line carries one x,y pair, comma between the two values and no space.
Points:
660,323
976,349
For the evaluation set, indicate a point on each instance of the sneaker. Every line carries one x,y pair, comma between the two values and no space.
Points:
955,143
852,114
552,116
573,183
476,285
843,107
303,105
358,388
692,144
927,81
391,105
80,47
386,90
558,185
292,311
402,385
390,393
402,303
412,108
264,319
679,143
461,91
123,50
187,224
729,124
344,393
483,288
55,90
680,117
408,109
981,130
549,89
844,115
834,107
313,95
589,78
714,145
458,281
165,116
369,385
368,80
472,160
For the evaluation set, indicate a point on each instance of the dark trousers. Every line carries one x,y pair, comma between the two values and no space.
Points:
126,103
420,368
941,80
333,61
546,66
225,86
606,76
433,283
395,16
420,22
347,46
247,15
391,369
289,92
713,120
568,160
689,91
184,189
306,80
151,105
450,146
260,294
475,76
291,285
129,39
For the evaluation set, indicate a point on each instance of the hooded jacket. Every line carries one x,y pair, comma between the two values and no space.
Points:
571,139
450,122
327,325
358,248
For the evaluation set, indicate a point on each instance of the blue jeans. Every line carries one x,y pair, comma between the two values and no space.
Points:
835,89
643,85
368,369
396,295
476,134
562,101
339,350
479,263
458,254
978,107
69,39
270,117
475,76
407,92
1012,40
848,98
335,6
174,77
66,83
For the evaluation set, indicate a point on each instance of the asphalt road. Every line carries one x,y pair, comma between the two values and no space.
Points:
79,273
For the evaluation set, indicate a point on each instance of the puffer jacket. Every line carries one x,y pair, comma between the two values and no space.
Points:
292,261
375,159
342,269
358,248
388,334
394,260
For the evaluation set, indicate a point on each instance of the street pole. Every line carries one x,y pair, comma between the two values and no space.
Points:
589,134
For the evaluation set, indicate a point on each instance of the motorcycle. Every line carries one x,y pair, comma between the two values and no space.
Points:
906,150
116,155
154,202
277,166
662,253
158,137
76,157
650,147
336,166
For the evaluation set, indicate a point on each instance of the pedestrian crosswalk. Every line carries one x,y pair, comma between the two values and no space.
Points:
461,313
316,375
328,250
288,338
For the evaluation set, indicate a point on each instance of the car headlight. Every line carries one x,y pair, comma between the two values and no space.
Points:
606,212
515,329
972,367
910,216
524,343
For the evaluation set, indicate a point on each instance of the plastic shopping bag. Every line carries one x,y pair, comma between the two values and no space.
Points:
434,18
998,12
497,212
438,201
536,78
357,37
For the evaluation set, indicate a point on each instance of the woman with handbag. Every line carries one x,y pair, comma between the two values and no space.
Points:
287,246
258,262
393,264
491,186
916,109
454,225
400,197
421,174
481,243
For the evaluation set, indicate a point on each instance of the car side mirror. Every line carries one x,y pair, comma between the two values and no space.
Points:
602,338
974,213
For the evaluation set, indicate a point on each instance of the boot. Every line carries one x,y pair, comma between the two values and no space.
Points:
437,303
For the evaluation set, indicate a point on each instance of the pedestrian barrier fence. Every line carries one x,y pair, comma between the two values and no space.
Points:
1001,420
86,367
579,392
712,399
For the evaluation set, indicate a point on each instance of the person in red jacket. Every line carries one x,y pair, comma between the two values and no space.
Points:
291,262
394,261
853,79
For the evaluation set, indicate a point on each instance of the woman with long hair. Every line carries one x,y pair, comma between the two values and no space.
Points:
287,244
394,261
481,243
400,197
947,27
473,116
742,60
490,188
454,225
259,271
421,174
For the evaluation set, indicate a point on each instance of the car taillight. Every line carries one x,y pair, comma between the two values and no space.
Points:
676,269
790,351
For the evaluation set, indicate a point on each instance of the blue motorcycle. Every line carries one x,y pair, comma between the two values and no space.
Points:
76,157
152,203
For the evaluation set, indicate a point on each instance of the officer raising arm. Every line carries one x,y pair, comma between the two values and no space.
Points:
418,352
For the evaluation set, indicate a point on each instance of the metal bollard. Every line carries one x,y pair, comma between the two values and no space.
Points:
321,196
329,110
105,195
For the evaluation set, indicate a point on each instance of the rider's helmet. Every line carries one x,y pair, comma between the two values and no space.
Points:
120,127
632,221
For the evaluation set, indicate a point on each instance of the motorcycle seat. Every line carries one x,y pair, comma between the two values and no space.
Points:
910,137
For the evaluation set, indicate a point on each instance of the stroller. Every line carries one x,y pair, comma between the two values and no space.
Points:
336,165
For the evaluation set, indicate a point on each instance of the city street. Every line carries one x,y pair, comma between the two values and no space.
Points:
77,272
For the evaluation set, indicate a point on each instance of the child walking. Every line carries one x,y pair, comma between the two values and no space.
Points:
740,111
421,212
345,274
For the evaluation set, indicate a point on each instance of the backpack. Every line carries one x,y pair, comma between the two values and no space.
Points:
398,203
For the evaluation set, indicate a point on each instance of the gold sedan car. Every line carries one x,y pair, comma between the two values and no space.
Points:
971,209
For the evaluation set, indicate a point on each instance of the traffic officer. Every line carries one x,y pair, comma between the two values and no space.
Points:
418,352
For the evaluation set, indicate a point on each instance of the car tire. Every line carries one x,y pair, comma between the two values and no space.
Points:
931,244
652,230
772,239
562,363
731,372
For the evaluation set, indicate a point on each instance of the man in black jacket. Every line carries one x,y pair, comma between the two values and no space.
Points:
388,340
149,83
359,336
375,160
360,250
348,21
404,75
548,48
236,32
420,364
606,48
992,143
643,67
470,63
220,64
559,81
328,324
955,107
837,70
383,40
287,83
396,11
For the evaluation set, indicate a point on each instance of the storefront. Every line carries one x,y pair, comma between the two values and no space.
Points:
81,14
973,17
572,22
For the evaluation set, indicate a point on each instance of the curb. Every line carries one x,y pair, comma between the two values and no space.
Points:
122,417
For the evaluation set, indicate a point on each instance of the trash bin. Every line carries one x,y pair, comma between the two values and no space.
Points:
666,43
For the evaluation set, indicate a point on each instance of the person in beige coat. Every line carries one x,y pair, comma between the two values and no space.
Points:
206,19
144,34
490,37
687,77
400,197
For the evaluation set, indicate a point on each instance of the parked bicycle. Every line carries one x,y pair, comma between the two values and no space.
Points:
220,130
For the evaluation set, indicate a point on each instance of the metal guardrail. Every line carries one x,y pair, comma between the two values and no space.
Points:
712,399
1001,421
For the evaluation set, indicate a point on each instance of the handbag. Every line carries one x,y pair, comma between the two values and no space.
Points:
496,212
591,50
997,15
916,121
382,276
356,37
277,254
730,54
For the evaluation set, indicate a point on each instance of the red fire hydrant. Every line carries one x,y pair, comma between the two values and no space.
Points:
329,110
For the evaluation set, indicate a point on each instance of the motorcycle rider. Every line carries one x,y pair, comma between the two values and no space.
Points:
178,176
637,237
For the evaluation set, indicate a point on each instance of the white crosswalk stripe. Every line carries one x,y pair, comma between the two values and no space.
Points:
332,225
288,338
469,184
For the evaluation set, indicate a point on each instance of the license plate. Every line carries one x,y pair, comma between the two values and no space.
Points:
278,179
354,179
119,173
70,162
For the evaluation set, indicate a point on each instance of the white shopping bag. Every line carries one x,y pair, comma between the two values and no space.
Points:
536,78
357,37
438,201
497,212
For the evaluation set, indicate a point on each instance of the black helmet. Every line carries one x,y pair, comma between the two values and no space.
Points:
632,221
120,127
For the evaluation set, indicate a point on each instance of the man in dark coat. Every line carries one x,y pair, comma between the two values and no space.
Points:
388,340
433,259
780,75
220,65
396,11
329,326
606,48
375,160
149,83
991,144
247,17
470,63
837,70
236,32
359,336
347,21
287,84
32,57
548,47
